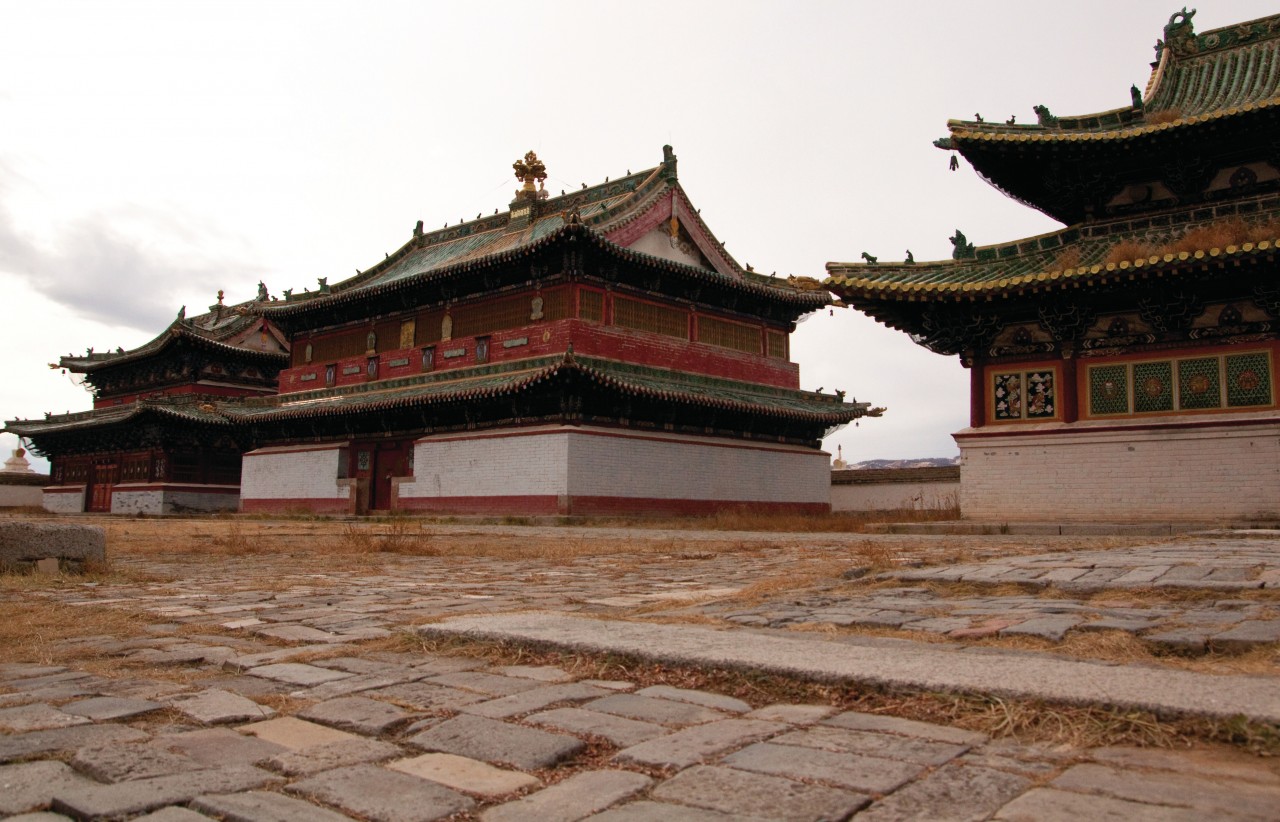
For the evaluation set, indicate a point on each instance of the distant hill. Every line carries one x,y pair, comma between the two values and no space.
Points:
926,462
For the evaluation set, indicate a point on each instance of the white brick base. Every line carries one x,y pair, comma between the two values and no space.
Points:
1227,467
296,477
583,470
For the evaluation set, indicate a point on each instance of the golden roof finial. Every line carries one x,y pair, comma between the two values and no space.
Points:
530,169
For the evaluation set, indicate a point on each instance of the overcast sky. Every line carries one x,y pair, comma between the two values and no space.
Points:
152,153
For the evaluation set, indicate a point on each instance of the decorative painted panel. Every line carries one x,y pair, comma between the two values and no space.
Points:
1008,394
1198,383
1040,395
1108,389
1152,387
1248,380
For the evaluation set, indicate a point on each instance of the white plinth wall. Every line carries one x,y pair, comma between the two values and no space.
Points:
1204,469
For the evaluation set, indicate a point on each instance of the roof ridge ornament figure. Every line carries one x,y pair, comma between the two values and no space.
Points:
963,248
1044,117
531,170
1179,33
870,260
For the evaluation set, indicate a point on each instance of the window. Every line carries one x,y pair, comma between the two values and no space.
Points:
591,306
330,373
429,358
482,349
371,368
1181,384
659,319
1024,395
727,334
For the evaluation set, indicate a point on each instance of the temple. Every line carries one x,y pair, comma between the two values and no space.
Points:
589,353
1122,367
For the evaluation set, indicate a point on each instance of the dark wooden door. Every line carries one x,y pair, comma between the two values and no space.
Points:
390,459
104,476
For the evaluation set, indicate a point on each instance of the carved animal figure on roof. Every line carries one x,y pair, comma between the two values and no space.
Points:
1044,117
963,249
870,260
262,291
804,283
911,258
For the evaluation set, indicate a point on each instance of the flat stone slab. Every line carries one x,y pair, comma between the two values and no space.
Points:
897,666
757,795
213,747
296,734
141,795
464,774
617,729
105,708
691,745
28,542
31,785
357,713
577,797
121,763
1049,805
332,755
868,774
950,793
297,673
37,717
661,711
218,707
717,702
383,795
257,806
646,811
497,742
526,701
54,740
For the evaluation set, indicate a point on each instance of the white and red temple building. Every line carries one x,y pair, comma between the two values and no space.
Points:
1122,367
596,352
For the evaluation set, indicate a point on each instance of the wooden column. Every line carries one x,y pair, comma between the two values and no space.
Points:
977,392
1068,393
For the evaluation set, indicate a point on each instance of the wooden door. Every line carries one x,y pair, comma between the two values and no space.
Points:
390,459
104,476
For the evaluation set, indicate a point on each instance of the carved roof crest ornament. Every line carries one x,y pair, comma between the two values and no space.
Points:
531,170
1179,34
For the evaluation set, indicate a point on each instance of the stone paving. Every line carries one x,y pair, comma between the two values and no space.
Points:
277,710
1244,572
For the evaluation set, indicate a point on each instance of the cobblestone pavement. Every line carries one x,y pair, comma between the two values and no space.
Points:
282,711
1236,583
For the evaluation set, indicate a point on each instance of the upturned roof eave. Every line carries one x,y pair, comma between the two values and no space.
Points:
850,286
444,273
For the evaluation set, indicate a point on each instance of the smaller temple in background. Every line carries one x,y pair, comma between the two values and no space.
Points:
154,441
1122,367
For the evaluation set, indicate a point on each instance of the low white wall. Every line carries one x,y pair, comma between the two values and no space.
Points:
895,496
303,475
598,470
64,499
171,500
21,496
1201,470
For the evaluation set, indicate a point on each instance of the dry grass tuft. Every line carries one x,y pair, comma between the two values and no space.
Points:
38,630
1169,115
1126,251
1067,258
1218,234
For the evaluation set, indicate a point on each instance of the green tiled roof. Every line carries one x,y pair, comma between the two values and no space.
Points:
506,379
208,331
594,211
1036,263
1198,78
202,413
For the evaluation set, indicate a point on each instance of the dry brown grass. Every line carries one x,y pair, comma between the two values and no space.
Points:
32,629
1023,720
1126,251
1068,258
1169,115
